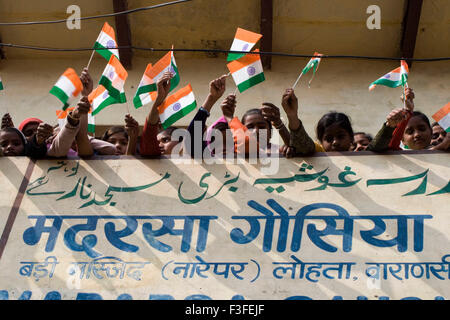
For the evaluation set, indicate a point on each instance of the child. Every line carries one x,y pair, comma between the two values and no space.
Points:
149,145
438,135
33,145
361,140
165,142
14,143
123,138
333,130
418,132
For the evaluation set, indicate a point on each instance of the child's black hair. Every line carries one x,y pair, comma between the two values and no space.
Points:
254,111
333,118
113,130
423,117
367,135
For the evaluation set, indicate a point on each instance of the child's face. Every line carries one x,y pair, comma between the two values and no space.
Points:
255,122
335,138
438,135
120,141
361,142
11,144
417,134
165,143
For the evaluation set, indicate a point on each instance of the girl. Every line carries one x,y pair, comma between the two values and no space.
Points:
334,130
123,138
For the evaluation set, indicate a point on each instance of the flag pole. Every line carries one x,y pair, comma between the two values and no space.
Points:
296,81
90,59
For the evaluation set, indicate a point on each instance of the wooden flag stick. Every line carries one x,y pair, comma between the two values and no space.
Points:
90,59
296,81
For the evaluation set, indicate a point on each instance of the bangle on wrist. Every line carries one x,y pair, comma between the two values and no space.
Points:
279,125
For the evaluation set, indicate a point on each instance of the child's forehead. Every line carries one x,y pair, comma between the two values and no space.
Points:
335,128
9,135
415,121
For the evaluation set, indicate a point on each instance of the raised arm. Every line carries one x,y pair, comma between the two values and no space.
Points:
300,141
216,90
132,128
149,145
272,114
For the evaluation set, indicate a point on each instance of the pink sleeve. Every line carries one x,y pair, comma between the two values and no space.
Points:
63,141
102,147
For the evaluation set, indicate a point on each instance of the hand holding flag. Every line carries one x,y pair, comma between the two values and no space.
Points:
88,83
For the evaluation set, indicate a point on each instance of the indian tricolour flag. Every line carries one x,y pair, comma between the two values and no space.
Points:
113,79
100,98
106,42
243,41
177,106
67,87
393,79
443,117
247,71
146,91
1,84
62,116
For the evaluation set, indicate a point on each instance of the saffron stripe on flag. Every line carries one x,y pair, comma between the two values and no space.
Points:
443,117
180,114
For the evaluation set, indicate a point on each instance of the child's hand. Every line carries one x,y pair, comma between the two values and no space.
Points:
271,113
7,121
82,107
44,131
88,83
163,86
228,106
444,145
131,126
217,87
395,117
289,102
409,103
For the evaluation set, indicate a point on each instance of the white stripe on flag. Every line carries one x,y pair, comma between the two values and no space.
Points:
184,101
247,72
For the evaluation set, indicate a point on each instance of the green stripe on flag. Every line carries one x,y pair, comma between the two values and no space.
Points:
108,101
388,83
176,79
104,52
234,56
1,85
113,92
91,128
146,89
251,82
60,94
310,65
180,114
